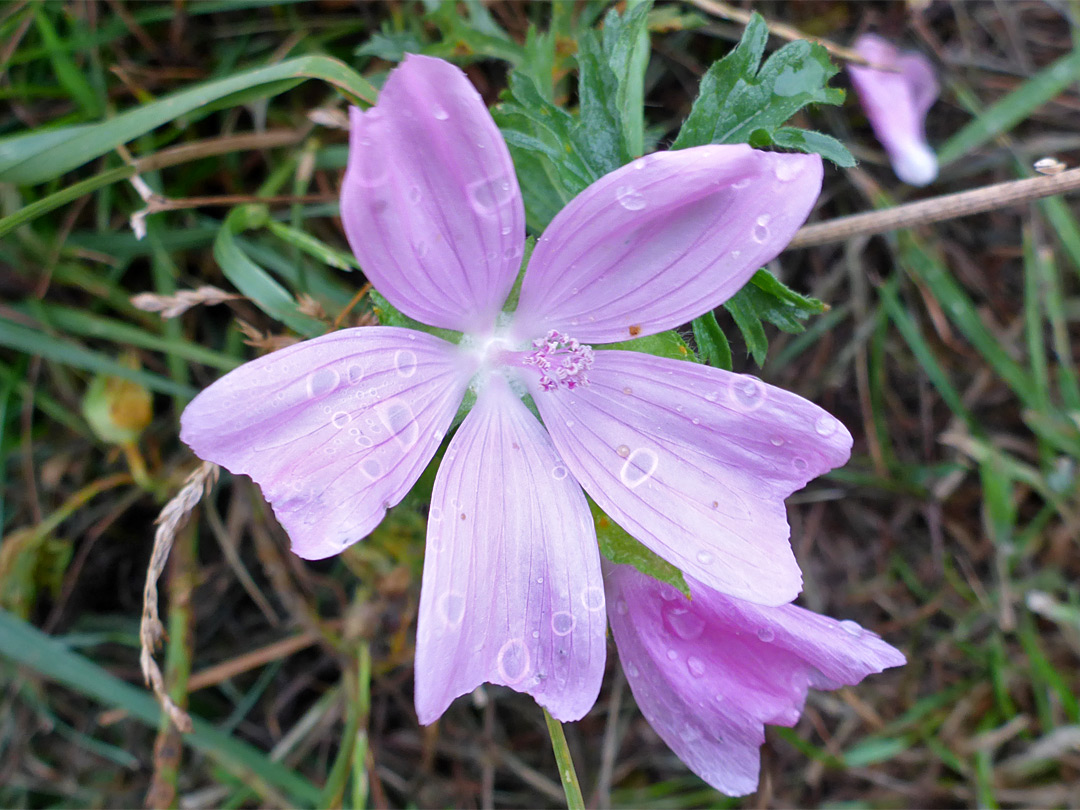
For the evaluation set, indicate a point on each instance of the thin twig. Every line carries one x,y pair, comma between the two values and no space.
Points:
151,631
789,32
937,209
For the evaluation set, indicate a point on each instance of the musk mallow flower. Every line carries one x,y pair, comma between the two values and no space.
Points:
695,462
711,672
896,104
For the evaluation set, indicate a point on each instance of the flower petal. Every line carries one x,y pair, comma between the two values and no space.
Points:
334,430
708,674
896,105
512,591
658,242
430,202
695,463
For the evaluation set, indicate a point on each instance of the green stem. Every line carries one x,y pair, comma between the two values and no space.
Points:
567,774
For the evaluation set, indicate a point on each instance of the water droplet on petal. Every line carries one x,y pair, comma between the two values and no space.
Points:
322,382
451,608
435,514
439,114
621,607
355,373
705,558
513,661
766,634
741,183
747,393
682,621
372,469
760,232
696,666
562,623
630,198
638,467
559,473
776,441
787,170
622,450
826,425
405,362
851,628
341,419
632,671
800,464
489,194
400,422
593,598
672,654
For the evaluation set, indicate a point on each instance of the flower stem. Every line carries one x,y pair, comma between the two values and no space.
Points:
567,774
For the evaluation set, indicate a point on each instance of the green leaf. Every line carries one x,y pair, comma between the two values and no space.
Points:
38,156
712,344
252,280
814,143
663,344
765,298
739,102
622,549
313,246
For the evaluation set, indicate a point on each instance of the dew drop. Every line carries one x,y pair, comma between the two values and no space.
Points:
364,441
536,634
628,390
668,593
621,607
400,422
435,514
451,608
632,671
787,170
825,426
405,362
622,450
682,621
355,373
705,558
505,230
851,628
439,114
776,441
513,661
766,634
800,464
593,598
741,183
322,382
760,232
489,194
638,467
341,419
747,393
562,623
559,473
371,468
696,666
630,198
672,654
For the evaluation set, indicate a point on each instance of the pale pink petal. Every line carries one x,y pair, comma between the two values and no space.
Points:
334,430
708,674
512,591
695,463
430,203
658,242
896,105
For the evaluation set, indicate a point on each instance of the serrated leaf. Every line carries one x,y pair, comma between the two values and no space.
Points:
712,344
757,342
622,549
814,143
740,102
390,45
765,298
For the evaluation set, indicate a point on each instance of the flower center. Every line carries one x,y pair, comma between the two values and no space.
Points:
561,360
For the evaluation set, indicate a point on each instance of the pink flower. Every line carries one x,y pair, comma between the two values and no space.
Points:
709,674
695,462
896,104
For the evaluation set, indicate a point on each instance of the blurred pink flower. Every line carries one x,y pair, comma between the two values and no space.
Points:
896,104
709,674
693,461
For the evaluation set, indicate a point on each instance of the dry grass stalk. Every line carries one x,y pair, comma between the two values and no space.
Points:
151,630
170,306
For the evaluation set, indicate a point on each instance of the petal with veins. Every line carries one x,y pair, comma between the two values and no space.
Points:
430,202
512,591
708,674
661,240
334,430
695,463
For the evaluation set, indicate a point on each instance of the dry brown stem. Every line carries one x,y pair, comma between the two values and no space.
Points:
151,630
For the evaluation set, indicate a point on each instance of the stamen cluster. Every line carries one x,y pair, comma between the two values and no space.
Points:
562,361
